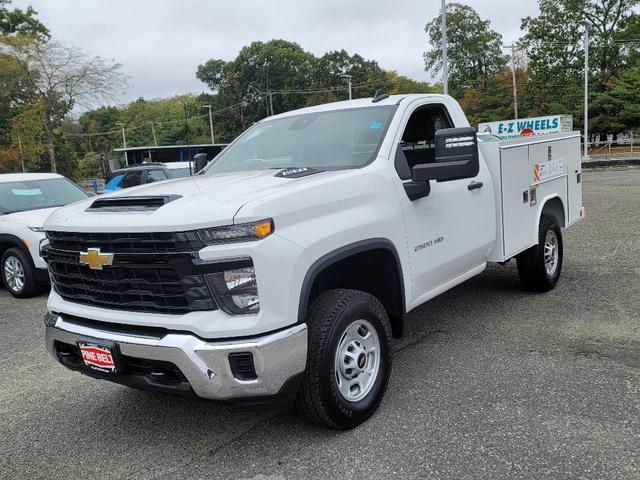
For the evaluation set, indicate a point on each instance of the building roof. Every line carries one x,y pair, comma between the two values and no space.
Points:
168,147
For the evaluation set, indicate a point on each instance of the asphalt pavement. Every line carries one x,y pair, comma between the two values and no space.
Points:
490,382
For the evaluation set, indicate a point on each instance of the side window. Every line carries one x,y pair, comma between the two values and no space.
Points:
155,176
131,179
418,139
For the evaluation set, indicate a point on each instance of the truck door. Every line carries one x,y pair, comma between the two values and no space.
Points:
450,231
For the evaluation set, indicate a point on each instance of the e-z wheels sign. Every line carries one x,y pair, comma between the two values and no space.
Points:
528,126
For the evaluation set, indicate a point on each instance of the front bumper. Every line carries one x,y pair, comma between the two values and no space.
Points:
203,366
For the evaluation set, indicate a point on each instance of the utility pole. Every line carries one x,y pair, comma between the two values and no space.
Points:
153,132
270,101
186,131
21,154
513,75
445,66
348,77
124,143
586,89
210,122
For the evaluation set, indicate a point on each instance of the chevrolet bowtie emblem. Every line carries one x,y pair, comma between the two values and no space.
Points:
95,259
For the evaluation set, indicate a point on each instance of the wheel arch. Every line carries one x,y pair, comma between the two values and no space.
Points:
336,270
552,205
7,241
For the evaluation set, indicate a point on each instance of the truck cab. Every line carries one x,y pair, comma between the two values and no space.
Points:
285,267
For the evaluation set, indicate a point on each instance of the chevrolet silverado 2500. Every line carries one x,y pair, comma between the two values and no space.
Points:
285,267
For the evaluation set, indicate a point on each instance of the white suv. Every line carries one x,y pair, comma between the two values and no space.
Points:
26,200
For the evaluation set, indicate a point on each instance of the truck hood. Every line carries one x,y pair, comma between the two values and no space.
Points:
204,201
29,218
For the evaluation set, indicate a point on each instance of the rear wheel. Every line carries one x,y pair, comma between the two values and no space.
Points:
18,274
539,267
348,359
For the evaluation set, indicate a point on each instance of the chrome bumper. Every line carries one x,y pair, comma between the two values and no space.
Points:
277,356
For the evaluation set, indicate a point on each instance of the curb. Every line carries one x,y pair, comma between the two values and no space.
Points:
611,163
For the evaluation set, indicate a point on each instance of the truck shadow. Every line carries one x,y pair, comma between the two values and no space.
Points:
211,431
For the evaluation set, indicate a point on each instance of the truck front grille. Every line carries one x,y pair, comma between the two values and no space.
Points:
156,242
137,280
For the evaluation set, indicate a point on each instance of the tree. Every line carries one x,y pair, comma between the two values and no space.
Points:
20,23
618,109
553,44
281,75
61,76
474,51
400,84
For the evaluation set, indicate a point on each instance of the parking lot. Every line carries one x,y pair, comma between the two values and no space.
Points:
490,381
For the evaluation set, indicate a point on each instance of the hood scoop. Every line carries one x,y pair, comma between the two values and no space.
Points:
297,172
131,204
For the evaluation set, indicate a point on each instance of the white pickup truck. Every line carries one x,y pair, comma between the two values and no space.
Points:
284,268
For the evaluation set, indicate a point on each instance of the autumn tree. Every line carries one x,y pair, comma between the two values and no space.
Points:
60,78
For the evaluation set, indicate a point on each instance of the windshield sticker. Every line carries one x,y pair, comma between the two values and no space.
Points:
26,192
376,125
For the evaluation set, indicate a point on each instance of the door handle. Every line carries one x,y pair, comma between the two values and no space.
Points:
474,185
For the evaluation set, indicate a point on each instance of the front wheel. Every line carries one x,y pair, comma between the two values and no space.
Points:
539,267
348,359
18,274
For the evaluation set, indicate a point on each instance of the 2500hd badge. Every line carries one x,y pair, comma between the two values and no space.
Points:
436,240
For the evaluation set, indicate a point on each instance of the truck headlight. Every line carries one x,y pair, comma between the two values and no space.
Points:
236,291
44,243
37,229
241,232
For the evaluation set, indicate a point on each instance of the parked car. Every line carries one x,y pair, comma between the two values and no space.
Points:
144,173
284,268
26,200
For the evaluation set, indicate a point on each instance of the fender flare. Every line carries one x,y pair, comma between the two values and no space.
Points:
16,242
341,253
543,203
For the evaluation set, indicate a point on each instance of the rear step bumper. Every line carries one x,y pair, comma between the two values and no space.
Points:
185,364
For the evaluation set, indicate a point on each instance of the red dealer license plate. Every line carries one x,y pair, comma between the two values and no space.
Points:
97,357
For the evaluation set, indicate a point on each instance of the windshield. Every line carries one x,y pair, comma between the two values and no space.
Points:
334,139
179,172
35,194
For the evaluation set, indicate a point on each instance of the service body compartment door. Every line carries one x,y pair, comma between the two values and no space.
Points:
517,214
574,180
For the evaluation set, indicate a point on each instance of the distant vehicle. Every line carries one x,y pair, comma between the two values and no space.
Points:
26,200
144,173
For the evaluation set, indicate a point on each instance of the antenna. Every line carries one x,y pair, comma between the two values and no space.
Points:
379,96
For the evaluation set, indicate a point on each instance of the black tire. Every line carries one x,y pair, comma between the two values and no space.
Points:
328,318
30,286
532,268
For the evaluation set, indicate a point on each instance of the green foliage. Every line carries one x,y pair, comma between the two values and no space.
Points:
553,44
18,22
474,50
401,84
618,109
282,74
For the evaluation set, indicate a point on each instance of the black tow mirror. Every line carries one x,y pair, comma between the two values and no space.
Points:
456,157
199,162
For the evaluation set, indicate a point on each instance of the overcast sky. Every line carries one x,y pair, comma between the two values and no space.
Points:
160,43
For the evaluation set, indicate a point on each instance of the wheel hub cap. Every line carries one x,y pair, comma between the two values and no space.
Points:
14,274
551,252
357,360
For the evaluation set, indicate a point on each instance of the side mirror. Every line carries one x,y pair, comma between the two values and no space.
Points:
199,162
456,157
